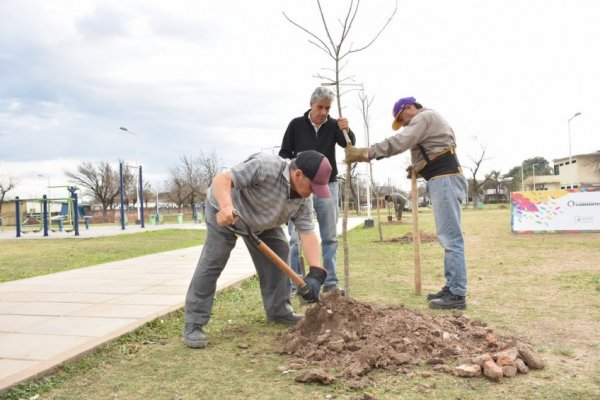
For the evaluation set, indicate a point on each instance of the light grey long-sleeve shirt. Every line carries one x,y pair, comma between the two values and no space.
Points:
428,128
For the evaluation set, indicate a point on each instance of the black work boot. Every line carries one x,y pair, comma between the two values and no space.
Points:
449,301
445,291
194,336
330,288
290,319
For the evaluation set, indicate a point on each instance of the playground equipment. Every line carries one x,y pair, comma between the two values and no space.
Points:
162,218
33,220
39,217
68,214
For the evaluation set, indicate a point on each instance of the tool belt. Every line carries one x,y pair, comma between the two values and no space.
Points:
444,163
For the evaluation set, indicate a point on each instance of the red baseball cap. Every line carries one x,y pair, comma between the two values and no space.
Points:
316,167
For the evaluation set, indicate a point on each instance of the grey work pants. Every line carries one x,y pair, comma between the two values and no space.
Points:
275,286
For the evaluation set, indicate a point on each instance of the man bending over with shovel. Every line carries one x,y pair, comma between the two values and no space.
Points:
266,191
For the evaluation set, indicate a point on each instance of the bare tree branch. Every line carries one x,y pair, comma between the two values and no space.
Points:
6,185
378,33
322,46
474,168
333,48
99,181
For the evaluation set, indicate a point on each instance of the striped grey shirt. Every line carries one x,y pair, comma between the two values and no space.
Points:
261,193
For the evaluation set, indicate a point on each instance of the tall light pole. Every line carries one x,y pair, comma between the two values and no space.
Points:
533,166
137,165
358,193
570,159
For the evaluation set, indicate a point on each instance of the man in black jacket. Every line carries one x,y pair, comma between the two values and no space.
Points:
316,130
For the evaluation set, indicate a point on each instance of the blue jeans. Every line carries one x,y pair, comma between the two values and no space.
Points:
446,194
327,216
274,284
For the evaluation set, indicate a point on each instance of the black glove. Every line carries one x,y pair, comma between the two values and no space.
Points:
314,280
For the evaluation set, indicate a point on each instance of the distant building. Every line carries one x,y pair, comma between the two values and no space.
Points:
580,172
498,195
542,182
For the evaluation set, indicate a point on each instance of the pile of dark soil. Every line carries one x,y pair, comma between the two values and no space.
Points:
346,339
408,238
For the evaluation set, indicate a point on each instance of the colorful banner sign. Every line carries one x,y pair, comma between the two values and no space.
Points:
574,210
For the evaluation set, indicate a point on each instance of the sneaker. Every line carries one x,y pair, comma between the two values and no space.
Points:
194,336
445,291
290,319
450,301
329,288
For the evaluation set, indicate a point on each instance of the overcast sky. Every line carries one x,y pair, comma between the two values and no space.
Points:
228,76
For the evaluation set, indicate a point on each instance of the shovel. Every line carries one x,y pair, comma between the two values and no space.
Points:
260,245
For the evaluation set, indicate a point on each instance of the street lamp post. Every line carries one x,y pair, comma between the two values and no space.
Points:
533,166
137,164
570,159
358,193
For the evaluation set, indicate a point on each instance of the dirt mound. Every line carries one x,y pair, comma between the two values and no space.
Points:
408,238
346,339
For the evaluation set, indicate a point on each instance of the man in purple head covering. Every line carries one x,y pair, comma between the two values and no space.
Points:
432,145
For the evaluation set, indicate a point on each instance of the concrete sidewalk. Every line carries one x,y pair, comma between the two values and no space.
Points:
48,320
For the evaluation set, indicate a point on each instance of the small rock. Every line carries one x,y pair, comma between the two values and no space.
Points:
426,374
491,338
442,368
316,376
506,357
243,346
530,357
521,367
492,371
296,366
467,370
336,346
509,371
480,360
322,338
359,384
400,358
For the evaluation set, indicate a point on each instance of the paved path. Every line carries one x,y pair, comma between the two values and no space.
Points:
50,319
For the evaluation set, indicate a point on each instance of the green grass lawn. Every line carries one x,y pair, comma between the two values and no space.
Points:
26,258
542,288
